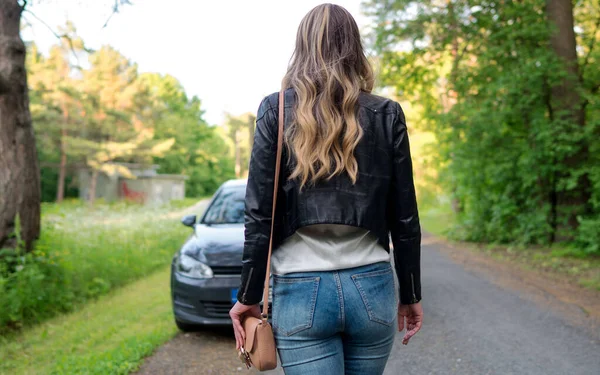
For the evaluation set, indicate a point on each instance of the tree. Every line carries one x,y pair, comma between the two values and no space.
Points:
199,150
115,124
510,92
240,130
566,108
54,102
19,170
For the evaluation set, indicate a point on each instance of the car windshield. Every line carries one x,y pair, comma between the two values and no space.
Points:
227,208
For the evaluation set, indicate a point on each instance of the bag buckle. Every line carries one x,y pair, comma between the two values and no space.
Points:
245,357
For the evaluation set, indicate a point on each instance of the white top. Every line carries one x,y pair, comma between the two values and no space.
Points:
327,247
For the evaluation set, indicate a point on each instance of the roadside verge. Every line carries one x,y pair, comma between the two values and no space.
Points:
111,335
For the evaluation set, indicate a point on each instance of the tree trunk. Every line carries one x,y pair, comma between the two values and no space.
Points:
567,106
238,161
451,94
92,191
565,95
251,125
62,172
19,171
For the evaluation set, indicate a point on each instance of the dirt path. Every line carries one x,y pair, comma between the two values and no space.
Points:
211,351
483,316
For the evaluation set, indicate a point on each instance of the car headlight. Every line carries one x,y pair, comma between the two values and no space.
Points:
193,268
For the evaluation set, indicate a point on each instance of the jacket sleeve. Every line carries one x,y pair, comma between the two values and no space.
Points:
258,205
403,216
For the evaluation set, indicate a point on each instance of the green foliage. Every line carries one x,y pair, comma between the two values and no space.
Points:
109,336
509,156
240,134
83,254
198,149
588,235
49,178
436,215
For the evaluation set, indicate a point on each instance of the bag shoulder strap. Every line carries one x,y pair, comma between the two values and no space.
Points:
265,312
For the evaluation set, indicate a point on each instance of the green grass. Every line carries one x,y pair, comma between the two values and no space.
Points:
84,253
437,220
185,203
108,336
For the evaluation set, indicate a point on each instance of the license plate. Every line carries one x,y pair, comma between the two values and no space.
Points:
234,293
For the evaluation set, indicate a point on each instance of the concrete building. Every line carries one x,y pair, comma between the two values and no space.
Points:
149,187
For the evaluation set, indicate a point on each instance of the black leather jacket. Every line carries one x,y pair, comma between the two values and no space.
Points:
382,200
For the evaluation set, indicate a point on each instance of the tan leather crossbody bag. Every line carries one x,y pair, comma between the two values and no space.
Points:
259,348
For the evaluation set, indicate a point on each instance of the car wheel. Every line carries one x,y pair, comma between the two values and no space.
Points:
186,327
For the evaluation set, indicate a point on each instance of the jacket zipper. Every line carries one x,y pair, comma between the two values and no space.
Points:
247,284
412,281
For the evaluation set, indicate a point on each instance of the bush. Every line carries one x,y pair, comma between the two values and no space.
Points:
588,235
84,253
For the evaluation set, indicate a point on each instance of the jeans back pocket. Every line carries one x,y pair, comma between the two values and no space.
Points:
294,301
376,289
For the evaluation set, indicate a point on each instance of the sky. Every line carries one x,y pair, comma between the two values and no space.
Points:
228,53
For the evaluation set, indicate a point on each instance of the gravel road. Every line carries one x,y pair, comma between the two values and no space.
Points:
482,316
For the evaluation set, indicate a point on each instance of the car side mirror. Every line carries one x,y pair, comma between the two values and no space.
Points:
189,220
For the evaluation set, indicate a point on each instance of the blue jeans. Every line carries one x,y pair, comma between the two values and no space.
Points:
335,322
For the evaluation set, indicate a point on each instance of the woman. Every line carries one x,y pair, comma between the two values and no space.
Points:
346,187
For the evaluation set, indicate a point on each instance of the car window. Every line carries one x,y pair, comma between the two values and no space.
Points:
228,207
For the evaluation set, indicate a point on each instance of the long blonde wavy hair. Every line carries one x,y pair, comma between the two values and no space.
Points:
328,70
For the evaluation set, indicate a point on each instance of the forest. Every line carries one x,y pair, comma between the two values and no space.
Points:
509,92
93,108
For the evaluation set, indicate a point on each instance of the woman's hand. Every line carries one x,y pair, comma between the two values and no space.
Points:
414,319
237,314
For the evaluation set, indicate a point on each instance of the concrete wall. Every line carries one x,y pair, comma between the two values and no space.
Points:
154,189
106,187
164,188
